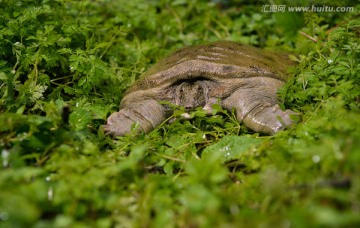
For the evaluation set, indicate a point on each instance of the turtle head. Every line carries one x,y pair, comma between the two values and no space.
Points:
191,95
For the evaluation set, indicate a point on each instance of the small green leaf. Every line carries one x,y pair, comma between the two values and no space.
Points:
232,147
80,118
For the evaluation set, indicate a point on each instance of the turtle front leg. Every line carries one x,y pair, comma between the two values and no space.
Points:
258,110
147,114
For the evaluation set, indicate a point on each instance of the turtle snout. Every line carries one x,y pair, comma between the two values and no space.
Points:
189,107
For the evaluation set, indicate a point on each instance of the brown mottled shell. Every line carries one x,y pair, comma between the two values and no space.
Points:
214,61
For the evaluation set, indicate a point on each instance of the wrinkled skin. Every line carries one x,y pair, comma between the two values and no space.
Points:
191,95
236,76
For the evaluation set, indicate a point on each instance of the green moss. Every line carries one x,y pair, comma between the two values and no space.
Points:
64,66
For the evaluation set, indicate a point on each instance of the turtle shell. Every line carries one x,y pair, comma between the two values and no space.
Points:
215,61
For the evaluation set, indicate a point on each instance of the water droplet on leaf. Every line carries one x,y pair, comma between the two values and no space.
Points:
50,193
5,157
316,158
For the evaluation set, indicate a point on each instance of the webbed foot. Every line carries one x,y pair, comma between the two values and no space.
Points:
257,108
146,114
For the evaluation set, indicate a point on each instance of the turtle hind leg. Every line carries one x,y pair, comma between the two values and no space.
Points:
258,110
147,114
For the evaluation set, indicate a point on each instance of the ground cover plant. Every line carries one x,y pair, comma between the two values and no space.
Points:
64,66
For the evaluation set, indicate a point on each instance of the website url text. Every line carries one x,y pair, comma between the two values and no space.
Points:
313,8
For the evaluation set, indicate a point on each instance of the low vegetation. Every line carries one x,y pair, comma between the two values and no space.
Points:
64,66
